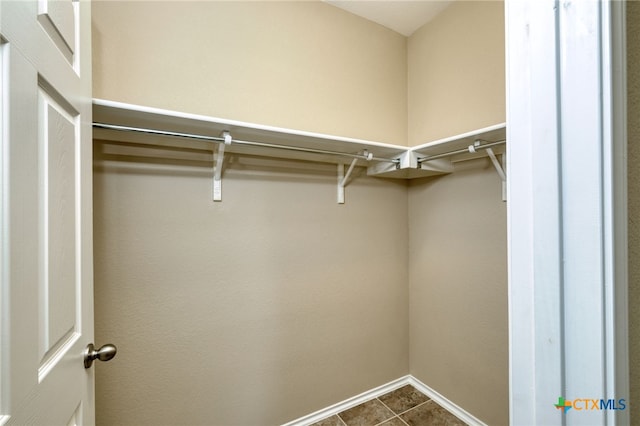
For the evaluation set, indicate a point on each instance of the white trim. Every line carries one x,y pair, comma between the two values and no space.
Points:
4,224
381,390
533,228
617,208
445,403
567,260
349,403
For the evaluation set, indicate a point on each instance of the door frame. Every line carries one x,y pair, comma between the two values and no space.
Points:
567,210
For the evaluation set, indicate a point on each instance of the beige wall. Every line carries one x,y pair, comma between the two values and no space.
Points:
257,310
633,114
458,288
456,69
298,64
458,244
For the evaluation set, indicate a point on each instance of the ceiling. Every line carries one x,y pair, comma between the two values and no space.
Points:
401,16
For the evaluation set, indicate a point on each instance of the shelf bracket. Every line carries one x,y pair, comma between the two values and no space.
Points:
499,168
218,160
343,178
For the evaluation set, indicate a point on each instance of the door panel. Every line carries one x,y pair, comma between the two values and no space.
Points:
46,281
61,18
58,283
59,21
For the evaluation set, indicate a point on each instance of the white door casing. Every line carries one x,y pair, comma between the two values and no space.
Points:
567,208
46,275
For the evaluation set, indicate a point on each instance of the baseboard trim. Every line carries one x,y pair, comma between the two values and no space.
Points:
349,403
454,409
381,390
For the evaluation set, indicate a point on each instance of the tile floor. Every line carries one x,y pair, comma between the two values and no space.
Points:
401,407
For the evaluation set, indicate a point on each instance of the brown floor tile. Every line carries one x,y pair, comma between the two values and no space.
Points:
330,421
393,422
430,414
366,414
403,399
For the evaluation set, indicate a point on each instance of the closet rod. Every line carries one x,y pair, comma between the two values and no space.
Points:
471,148
216,139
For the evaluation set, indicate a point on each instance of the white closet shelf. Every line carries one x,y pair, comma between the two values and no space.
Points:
393,161
414,161
490,134
141,117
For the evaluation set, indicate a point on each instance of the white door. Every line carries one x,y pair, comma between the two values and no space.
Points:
46,309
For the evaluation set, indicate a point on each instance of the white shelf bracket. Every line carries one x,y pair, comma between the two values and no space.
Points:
500,170
218,160
343,178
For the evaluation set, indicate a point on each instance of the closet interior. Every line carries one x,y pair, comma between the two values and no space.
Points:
273,268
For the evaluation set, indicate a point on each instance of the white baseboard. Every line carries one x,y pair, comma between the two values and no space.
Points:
454,409
381,390
349,403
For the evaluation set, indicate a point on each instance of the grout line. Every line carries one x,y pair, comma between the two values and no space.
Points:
415,406
402,420
391,418
340,418
384,421
419,405
386,406
390,410
395,415
369,400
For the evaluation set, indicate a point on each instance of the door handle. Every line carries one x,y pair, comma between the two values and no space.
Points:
105,353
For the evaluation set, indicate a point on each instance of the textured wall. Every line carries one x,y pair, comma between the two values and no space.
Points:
277,301
633,115
458,289
456,69
458,243
265,307
302,65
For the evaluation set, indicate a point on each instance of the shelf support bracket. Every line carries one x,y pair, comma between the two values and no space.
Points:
218,160
343,178
500,170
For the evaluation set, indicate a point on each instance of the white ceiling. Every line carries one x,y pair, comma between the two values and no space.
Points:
401,16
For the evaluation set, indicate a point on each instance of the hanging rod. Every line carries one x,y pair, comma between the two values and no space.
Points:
215,139
471,148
